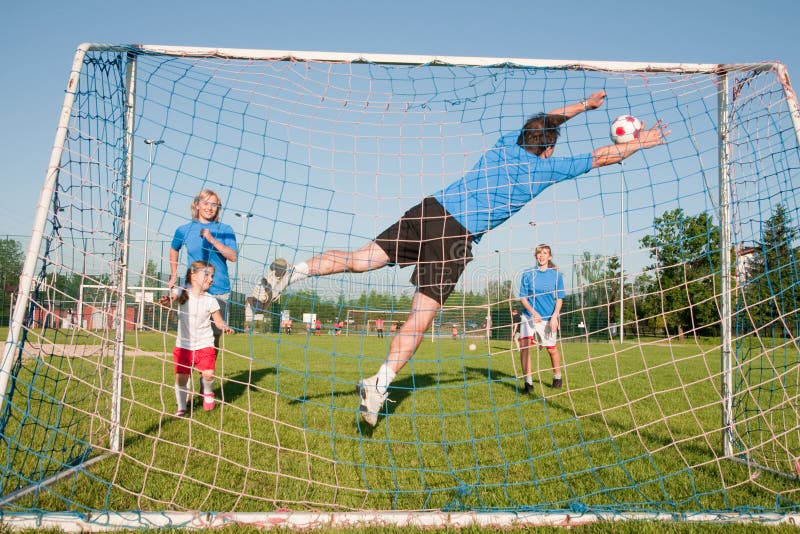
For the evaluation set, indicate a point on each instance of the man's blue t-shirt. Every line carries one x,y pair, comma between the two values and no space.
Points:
543,287
197,248
503,181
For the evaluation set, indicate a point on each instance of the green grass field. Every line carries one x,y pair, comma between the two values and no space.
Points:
636,429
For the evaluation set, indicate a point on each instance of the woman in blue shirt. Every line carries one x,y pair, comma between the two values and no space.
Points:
206,239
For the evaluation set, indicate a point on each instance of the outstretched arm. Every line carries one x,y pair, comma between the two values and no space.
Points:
593,102
608,155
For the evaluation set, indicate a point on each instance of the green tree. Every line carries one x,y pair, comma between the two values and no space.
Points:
647,309
686,253
590,273
772,277
11,259
612,290
152,275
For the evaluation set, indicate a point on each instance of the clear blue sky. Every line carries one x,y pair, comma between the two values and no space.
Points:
39,39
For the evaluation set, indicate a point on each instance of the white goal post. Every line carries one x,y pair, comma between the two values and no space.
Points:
323,151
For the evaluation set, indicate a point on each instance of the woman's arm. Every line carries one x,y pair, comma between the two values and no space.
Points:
227,252
173,267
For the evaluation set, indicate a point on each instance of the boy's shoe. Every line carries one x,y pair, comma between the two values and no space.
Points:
208,401
528,389
260,294
557,383
180,413
371,401
277,279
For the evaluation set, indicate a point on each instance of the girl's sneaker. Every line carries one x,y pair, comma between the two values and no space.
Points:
180,413
208,401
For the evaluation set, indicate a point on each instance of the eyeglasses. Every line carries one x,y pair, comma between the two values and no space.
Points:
211,204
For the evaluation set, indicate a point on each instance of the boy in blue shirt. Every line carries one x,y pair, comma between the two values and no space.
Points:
541,293
436,236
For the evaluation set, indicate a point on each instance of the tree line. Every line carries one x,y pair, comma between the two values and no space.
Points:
677,294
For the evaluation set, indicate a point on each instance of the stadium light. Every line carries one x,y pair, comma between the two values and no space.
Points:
151,143
499,275
244,217
621,250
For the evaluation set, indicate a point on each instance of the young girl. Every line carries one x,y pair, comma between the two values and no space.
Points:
194,346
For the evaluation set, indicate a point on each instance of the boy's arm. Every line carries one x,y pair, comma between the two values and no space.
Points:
608,155
593,102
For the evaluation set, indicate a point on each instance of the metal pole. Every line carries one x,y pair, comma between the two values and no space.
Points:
621,251
726,322
244,218
499,274
115,432
240,247
143,282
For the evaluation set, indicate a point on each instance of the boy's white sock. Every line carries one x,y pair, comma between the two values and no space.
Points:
299,272
385,376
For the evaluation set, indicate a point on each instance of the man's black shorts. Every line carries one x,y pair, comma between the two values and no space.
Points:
430,238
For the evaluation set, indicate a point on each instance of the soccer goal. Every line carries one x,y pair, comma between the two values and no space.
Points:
678,333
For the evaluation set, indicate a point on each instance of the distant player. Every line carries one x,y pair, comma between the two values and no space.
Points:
379,326
541,293
436,236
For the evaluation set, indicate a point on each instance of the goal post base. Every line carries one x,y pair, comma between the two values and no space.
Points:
317,520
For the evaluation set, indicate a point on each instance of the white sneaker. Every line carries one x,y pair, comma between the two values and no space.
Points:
260,293
371,401
277,278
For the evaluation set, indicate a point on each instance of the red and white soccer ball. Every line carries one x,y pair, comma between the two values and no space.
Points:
625,129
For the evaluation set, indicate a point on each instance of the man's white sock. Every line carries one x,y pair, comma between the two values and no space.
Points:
298,272
385,376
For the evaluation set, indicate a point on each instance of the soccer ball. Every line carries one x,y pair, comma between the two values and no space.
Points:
472,346
625,129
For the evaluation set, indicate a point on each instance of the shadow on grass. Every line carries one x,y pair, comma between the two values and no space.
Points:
231,389
235,386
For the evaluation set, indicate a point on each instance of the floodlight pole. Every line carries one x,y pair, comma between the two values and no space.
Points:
621,251
239,248
151,143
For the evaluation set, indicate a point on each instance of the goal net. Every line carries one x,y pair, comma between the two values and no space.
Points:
678,333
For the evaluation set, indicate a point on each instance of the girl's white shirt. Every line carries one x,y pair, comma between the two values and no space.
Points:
194,322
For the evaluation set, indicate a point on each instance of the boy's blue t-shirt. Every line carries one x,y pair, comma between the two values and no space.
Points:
197,248
502,182
543,287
